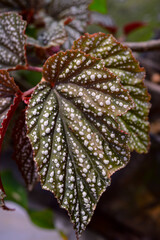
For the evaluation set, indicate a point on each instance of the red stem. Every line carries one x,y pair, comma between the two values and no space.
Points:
28,92
32,68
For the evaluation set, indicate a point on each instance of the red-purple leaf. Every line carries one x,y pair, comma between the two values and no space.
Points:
23,154
10,96
130,27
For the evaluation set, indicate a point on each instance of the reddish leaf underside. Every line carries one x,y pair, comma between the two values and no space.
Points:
12,41
23,154
71,124
10,96
120,61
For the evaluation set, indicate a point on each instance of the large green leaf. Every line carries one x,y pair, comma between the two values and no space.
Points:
120,61
71,125
12,41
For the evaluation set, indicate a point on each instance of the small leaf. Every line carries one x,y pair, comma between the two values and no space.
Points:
77,10
10,96
23,153
76,141
53,35
14,190
120,61
43,218
12,41
130,27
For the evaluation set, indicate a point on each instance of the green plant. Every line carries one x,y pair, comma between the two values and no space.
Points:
84,117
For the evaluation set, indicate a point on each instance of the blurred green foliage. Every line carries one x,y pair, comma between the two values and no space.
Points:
126,11
99,6
43,219
17,193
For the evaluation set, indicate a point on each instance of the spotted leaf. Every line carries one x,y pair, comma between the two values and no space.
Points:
12,41
10,97
77,10
71,125
120,61
53,35
23,154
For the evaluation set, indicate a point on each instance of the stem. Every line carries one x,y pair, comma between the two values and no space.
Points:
28,92
151,45
32,68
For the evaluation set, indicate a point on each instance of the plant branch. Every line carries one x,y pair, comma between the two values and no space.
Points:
28,92
33,68
151,45
152,86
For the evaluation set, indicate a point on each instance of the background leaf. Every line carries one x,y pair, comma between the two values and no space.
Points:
23,153
17,193
120,61
99,6
43,218
12,41
77,10
76,142
54,34
14,190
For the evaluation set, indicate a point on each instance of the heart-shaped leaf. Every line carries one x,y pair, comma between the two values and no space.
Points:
23,153
120,61
10,97
12,41
77,10
76,141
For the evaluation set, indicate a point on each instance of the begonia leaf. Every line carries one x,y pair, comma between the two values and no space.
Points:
53,35
23,154
10,97
120,61
76,141
12,41
77,10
